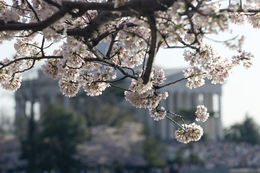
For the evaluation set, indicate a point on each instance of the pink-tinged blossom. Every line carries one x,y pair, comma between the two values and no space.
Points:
237,18
182,136
254,20
4,77
139,87
68,88
194,80
209,65
195,132
220,71
74,52
157,76
24,49
12,84
244,57
69,74
91,66
189,133
9,15
201,113
148,99
157,114
50,68
95,88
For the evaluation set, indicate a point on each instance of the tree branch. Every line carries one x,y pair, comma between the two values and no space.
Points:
152,51
28,58
36,26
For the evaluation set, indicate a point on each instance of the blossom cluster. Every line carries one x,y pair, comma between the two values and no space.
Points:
158,114
78,62
145,95
188,133
192,132
206,64
201,113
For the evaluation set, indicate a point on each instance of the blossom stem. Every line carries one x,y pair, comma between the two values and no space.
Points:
175,122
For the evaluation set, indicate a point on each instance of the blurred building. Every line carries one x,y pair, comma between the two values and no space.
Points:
36,94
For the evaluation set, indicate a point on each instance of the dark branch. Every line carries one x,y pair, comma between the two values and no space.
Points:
28,58
152,51
37,26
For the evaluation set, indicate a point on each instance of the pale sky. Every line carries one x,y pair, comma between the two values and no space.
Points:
241,93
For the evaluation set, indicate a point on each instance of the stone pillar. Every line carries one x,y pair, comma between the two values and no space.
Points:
42,104
184,101
201,99
208,101
181,101
176,101
163,125
211,122
194,100
151,124
19,106
20,125
220,128
171,105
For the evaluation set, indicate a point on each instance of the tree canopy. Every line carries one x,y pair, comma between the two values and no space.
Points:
133,31
247,131
55,141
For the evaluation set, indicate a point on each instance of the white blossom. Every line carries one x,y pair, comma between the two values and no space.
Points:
201,113
158,114
188,133
68,88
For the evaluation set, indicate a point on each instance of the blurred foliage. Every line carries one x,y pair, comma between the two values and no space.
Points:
107,114
247,131
184,157
152,152
21,125
55,141
194,158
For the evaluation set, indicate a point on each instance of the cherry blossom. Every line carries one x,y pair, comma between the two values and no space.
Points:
188,133
201,113
68,88
158,114
97,43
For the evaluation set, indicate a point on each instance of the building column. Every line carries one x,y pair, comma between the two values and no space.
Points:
211,122
220,128
19,107
163,124
194,101
172,108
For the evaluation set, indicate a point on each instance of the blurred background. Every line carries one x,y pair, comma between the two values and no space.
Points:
43,131
52,133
